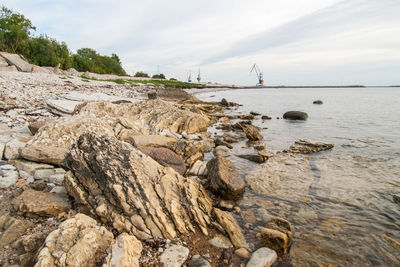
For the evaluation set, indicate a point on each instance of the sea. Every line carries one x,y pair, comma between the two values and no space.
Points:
344,204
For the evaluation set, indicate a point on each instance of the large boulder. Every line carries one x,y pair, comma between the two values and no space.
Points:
224,179
78,242
295,115
55,139
131,192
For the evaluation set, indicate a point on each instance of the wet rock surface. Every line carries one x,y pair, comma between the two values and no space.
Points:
295,115
224,178
306,147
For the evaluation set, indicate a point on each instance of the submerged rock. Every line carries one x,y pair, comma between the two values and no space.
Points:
133,193
318,102
277,235
224,179
306,147
295,115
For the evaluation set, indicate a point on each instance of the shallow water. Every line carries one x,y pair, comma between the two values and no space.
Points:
340,202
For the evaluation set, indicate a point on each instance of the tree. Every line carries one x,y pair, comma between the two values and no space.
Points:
15,31
158,76
45,51
141,74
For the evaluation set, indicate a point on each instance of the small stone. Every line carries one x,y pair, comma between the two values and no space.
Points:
243,253
174,256
198,261
263,257
222,151
220,241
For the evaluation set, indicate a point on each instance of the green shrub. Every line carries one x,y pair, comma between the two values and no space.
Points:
158,76
141,74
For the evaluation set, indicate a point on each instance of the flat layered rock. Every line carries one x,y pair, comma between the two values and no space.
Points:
133,193
34,204
304,146
230,225
124,252
55,139
65,106
94,97
17,61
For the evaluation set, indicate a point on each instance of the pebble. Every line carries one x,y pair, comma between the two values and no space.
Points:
243,253
263,257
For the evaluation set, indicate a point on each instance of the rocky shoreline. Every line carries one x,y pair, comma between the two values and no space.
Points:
95,173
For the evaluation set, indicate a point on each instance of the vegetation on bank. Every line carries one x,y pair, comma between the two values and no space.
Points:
160,82
16,37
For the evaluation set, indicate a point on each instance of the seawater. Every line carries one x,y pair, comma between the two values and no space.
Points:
344,203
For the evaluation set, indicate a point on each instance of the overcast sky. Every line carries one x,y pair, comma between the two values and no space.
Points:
294,42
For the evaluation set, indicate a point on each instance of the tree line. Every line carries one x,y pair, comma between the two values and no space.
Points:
16,37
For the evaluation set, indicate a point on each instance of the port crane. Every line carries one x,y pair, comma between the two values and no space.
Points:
198,77
189,77
259,74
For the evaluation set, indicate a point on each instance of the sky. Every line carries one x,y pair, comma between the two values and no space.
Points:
294,42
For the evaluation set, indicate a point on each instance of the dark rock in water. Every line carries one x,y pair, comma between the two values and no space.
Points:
265,117
277,235
277,118
255,113
295,115
252,133
254,158
152,95
220,142
307,147
167,158
241,125
246,116
224,102
224,178
318,102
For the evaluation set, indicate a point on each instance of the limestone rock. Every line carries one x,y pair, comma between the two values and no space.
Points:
32,203
230,225
35,126
12,149
29,166
11,229
220,241
133,193
159,115
8,178
303,146
55,176
252,133
174,256
277,235
243,253
222,151
199,168
190,151
224,178
125,252
152,140
55,139
17,61
166,158
295,115
78,241
262,257
254,158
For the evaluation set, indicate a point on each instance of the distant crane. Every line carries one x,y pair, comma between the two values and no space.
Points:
198,77
259,74
189,77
